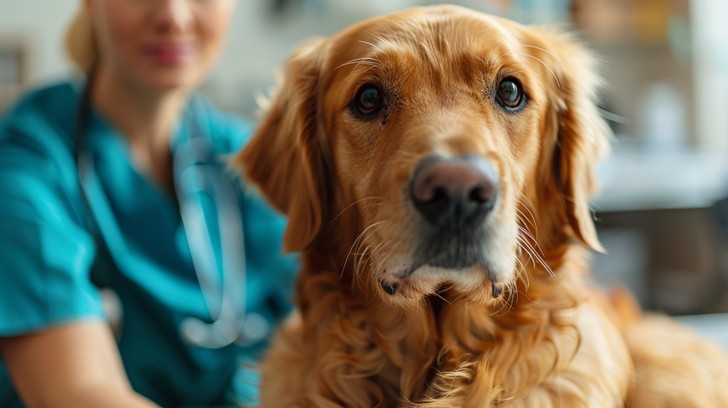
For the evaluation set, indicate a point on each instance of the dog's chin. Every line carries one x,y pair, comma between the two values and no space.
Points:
474,283
477,272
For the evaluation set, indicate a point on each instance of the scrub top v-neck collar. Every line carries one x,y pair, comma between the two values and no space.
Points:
122,194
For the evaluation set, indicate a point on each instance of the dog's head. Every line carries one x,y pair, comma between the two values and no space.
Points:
458,146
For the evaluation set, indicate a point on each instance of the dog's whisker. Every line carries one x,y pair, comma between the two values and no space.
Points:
506,302
438,295
354,244
524,219
505,308
532,251
556,57
458,297
366,61
525,294
373,46
497,312
364,260
368,258
529,241
558,84
512,292
361,258
535,241
535,256
526,232
505,305
352,205
524,251
522,273
527,205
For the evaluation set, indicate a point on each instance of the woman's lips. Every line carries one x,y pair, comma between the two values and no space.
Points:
170,54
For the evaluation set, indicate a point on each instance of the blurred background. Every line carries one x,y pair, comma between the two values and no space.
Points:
663,209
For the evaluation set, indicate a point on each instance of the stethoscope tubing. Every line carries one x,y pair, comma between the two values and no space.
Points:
195,176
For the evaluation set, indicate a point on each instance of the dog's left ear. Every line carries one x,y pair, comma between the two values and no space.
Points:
582,135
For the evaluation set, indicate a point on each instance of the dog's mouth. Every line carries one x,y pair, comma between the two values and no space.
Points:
459,237
455,268
478,262
393,288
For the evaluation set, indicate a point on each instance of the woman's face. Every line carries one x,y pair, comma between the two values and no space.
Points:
160,44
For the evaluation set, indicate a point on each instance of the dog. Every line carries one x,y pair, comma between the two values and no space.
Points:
435,166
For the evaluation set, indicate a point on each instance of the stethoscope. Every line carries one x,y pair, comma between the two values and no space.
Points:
222,279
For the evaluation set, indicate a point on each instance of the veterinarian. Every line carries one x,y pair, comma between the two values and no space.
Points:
115,191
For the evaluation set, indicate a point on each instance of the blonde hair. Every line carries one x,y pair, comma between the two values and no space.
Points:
80,41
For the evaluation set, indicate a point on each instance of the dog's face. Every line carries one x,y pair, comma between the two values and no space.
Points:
462,142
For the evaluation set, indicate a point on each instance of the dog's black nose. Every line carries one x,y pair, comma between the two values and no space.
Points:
454,193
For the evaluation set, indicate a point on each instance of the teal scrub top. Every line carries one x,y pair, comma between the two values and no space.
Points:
52,264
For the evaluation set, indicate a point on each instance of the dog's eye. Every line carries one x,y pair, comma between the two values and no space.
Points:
509,94
368,101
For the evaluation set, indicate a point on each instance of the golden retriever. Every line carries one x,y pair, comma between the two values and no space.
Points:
435,166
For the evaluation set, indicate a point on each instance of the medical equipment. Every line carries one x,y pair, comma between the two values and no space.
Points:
198,177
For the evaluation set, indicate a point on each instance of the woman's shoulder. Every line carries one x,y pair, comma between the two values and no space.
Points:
228,131
36,141
43,115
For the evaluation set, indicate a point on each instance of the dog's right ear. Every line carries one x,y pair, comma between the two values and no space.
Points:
577,137
285,158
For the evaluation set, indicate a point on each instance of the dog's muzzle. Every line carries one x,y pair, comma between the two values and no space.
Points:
454,196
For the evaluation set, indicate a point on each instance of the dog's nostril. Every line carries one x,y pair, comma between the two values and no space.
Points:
480,195
438,194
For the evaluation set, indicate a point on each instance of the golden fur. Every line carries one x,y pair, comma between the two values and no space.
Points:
443,338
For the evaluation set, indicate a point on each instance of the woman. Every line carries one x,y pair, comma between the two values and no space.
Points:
118,183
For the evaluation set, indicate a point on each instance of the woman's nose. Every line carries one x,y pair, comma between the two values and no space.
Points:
174,15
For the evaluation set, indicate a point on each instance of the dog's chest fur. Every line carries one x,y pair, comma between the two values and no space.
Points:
436,348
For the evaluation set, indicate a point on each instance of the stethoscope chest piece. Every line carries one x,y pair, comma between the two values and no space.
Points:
220,333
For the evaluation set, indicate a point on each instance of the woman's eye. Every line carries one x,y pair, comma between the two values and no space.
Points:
509,94
368,102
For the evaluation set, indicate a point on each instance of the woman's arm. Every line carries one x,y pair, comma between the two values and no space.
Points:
75,364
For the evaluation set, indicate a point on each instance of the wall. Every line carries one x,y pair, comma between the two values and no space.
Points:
258,42
40,23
